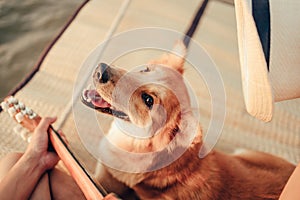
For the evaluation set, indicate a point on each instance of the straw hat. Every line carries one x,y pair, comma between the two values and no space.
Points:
269,49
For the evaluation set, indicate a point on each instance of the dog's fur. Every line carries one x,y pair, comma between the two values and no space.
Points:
249,175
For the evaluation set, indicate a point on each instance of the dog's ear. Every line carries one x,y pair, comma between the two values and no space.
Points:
174,59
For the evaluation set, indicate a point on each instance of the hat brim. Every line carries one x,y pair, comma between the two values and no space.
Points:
257,89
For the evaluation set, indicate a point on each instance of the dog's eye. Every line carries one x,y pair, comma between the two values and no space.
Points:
148,100
146,70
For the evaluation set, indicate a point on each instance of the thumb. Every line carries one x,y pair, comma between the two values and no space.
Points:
44,123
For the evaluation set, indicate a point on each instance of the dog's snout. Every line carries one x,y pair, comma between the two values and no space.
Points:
102,73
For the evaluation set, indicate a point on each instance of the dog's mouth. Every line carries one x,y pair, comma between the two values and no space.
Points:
92,99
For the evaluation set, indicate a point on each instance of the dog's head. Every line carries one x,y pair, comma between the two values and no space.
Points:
153,98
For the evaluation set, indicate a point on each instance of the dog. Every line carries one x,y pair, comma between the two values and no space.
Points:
155,99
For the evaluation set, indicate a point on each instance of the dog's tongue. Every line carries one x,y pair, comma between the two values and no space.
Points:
96,99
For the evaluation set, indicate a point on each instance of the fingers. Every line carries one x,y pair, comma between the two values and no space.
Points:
38,147
45,122
39,140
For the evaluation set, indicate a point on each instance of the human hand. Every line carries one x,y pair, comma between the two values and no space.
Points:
37,150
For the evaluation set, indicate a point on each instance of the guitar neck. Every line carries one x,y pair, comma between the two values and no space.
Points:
79,174
29,120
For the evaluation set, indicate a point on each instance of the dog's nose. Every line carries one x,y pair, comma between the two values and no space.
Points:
102,73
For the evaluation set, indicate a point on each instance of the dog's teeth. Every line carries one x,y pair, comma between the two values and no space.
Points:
11,111
83,95
88,100
19,117
5,106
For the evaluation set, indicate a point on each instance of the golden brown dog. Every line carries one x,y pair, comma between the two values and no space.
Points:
155,99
